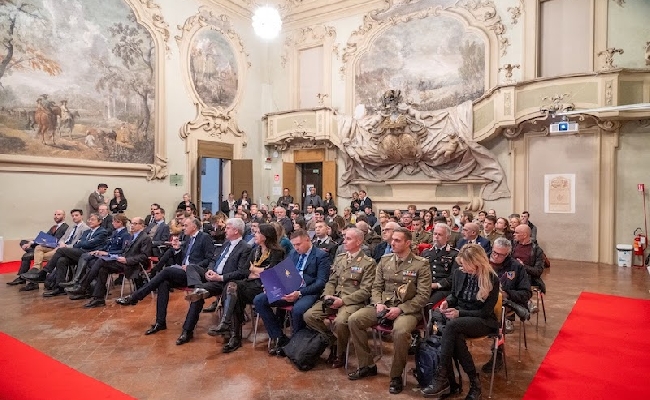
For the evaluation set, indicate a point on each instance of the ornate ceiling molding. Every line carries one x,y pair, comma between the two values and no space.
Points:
214,121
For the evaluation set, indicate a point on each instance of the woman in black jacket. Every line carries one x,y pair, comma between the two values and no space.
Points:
266,254
118,202
469,310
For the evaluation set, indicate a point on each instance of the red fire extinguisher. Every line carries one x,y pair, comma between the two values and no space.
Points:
639,245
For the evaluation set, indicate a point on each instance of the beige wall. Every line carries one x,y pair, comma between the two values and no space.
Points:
633,168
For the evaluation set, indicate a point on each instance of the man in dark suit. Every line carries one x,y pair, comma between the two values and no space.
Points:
114,245
158,231
285,200
470,234
149,218
281,217
57,230
106,218
227,265
383,247
93,239
364,201
314,267
323,241
136,252
198,250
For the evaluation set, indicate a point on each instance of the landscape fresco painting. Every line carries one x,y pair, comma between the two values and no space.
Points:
77,80
435,61
213,69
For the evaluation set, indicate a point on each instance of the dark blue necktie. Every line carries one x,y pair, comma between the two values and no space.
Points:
224,253
189,250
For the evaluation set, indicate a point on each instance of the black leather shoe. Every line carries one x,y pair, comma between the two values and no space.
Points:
94,303
155,328
75,290
273,346
211,308
17,281
54,292
79,296
68,284
197,294
126,301
332,356
233,344
396,385
185,337
34,274
279,350
363,372
29,287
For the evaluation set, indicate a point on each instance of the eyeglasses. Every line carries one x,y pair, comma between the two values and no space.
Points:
499,254
137,223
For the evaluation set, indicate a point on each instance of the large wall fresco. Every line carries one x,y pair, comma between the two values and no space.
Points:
77,80
435,61
213,69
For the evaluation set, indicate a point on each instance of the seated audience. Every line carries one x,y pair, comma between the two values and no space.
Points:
266,254
135,253
187,202
533,229
216,228
420,236
489,229
38,253
400,290
158,231
92,239
530,255
149,217
118,238
198,250
283,239
281,217
469,310
514,221
105,218
470,233
314,267
442,260
172,256
428,221
503,228
370,238
515,288
384,247
347,290
323,241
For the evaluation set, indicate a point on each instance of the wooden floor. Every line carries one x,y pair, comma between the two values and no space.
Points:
109,344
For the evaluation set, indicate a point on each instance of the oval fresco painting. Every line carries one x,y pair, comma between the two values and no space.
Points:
213,69
434,61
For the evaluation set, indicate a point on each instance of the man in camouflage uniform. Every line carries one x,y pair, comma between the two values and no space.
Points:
401,289
348,290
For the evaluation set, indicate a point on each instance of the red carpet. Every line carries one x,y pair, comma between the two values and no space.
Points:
600,352
9,267
28,374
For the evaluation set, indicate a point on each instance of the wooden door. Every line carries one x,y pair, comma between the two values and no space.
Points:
289,180
242,178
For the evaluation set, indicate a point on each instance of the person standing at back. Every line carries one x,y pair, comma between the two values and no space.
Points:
96,198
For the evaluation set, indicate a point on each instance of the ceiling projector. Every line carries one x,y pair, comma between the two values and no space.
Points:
564,127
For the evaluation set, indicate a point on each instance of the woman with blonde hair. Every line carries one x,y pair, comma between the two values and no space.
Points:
469,311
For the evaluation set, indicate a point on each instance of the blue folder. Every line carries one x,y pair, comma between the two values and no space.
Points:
281,280
46,240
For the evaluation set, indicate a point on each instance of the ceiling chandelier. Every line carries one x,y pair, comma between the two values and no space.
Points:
267,22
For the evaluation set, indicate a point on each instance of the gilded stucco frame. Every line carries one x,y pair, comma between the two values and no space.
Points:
149,14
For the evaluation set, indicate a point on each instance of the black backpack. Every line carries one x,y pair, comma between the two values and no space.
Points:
427,353
305,348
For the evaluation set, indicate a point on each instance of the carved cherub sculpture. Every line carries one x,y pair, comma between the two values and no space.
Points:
451,146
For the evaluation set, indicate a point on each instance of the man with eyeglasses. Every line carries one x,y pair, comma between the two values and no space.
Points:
470,233
515,288
384,247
